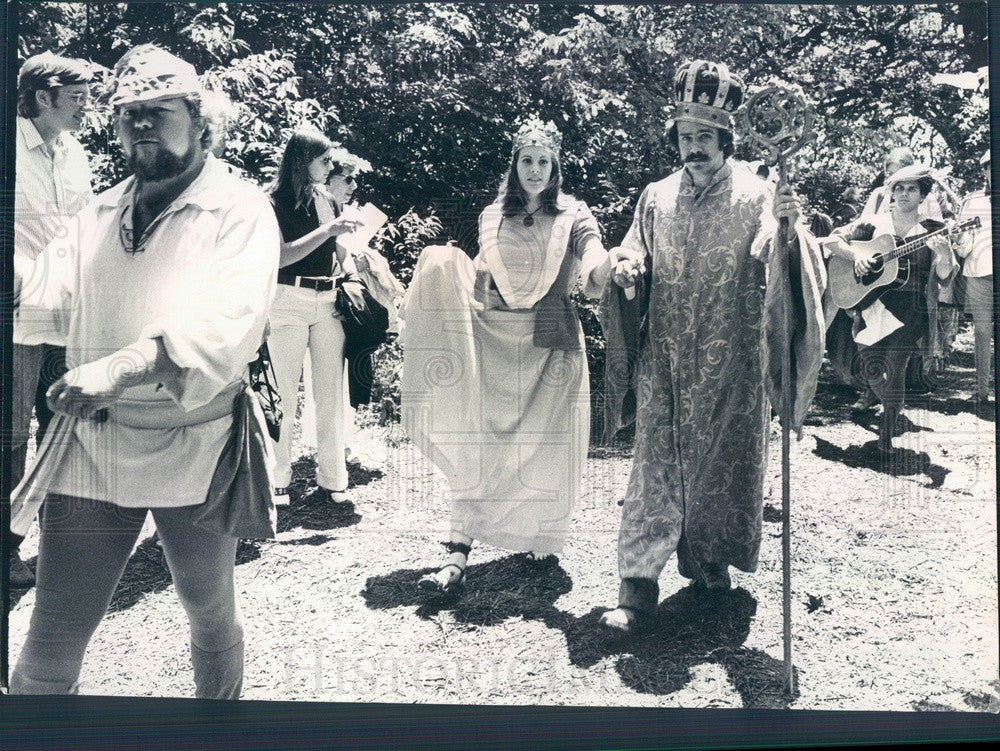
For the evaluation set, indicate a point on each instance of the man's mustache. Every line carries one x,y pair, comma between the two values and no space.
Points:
696,157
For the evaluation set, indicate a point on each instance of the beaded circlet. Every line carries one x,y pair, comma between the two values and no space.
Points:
534,132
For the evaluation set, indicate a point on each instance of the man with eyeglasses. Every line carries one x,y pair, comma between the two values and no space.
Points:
53,182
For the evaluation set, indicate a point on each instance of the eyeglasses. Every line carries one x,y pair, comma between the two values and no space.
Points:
79,97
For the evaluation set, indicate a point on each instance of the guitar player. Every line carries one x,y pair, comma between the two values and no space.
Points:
892,327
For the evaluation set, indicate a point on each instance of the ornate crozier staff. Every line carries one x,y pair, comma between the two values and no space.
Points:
778,121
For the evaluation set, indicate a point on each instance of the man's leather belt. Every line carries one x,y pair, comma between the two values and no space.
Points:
318,284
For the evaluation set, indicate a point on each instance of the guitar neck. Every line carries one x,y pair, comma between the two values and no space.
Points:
917,242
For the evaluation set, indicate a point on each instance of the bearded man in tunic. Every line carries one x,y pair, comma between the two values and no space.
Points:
700,339
161,288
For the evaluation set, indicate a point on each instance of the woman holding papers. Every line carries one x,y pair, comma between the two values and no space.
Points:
495,382
303,314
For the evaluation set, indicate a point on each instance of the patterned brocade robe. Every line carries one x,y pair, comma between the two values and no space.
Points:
702,412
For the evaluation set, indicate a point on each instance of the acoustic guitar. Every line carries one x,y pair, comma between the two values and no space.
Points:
851,291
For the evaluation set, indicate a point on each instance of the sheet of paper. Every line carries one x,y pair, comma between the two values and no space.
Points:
371,217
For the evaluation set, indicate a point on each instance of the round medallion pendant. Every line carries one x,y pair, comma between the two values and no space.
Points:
528,220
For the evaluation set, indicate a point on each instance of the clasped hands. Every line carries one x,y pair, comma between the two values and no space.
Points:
626,266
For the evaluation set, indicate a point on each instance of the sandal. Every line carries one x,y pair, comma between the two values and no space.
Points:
337,496
435,582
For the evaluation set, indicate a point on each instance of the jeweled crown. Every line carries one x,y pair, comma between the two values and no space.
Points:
534,132
707,93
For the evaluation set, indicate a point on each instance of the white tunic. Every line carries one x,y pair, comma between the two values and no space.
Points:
204,283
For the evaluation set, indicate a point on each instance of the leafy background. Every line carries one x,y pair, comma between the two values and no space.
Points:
429,93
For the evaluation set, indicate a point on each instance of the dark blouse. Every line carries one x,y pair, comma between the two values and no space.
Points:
297,222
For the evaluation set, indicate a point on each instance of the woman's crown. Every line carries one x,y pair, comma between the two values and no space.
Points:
534,132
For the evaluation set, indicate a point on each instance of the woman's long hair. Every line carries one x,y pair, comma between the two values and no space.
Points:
513,198
293,172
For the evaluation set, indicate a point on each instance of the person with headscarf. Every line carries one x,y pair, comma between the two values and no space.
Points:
160,289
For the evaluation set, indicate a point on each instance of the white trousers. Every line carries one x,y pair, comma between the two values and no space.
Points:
304,319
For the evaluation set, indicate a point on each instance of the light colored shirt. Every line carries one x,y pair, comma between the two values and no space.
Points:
204,283
50,187
978,249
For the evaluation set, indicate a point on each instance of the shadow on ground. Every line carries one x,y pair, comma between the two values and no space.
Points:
899,462
832,402
310,507
494,591
693,627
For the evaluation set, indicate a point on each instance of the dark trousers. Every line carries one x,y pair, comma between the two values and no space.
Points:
884,368
35,369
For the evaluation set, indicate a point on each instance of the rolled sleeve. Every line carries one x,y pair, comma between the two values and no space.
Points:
217,330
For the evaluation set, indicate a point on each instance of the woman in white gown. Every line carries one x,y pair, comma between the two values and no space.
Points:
495,382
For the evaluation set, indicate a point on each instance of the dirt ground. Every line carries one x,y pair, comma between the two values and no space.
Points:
894,588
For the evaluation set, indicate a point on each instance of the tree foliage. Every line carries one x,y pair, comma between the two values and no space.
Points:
430,92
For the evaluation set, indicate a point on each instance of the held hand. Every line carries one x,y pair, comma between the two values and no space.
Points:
786,204
626,266
341,226
88,388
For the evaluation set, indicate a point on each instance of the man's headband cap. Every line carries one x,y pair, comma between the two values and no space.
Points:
147,73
